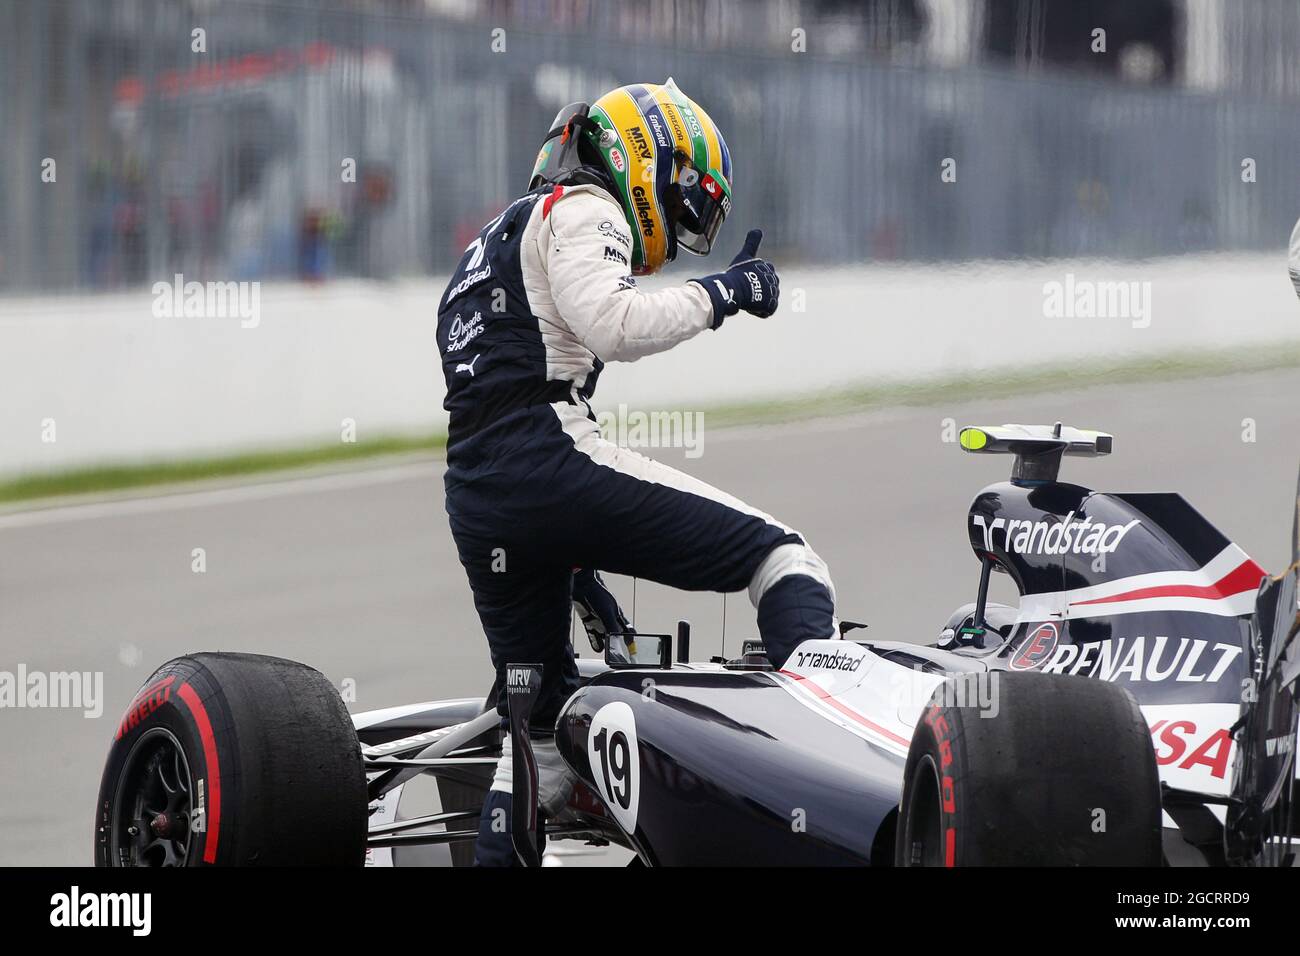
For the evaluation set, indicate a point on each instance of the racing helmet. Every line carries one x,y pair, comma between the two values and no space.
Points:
665,158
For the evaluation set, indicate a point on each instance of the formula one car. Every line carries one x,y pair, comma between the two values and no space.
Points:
1138,707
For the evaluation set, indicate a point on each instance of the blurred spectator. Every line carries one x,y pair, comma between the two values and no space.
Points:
354,137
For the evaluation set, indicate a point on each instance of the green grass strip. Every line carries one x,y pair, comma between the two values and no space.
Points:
1005,383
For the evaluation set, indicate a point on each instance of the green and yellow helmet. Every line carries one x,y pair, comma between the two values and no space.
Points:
667,160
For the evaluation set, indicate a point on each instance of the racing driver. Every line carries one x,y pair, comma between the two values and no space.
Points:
537,500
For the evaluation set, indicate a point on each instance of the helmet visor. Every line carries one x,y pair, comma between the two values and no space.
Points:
700,209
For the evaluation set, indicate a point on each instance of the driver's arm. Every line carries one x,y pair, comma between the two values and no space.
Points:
589,276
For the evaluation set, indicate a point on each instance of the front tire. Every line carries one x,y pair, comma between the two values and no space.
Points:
233,760
1062,775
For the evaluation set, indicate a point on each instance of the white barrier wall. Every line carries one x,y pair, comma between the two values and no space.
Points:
121,383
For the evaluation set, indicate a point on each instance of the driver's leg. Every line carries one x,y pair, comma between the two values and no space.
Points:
561,496
523,597
632,515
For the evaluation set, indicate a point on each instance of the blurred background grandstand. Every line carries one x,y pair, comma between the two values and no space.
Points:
227,163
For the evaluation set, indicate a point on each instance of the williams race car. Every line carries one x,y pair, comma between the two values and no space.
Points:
1138,707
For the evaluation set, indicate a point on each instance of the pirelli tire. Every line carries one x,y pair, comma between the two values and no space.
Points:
1057,771
227,759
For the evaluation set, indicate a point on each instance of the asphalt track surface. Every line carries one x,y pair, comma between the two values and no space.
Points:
355,573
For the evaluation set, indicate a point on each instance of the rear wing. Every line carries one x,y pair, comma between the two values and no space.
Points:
1038,448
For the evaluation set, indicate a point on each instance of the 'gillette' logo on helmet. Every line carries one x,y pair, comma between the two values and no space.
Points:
1047,537
639,141
661,137
643,210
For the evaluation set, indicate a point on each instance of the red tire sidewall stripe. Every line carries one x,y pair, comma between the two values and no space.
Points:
209,741
941,728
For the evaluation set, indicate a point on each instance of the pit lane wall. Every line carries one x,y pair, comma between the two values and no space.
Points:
115,378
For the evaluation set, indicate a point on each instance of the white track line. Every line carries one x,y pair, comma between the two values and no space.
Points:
182,500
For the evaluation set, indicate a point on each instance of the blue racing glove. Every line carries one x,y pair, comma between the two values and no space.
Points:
598,608
749,284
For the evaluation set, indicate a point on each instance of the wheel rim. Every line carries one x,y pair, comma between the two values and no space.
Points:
923,838
152,807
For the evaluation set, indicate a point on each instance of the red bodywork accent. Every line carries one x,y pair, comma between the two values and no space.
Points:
1245,578
846,711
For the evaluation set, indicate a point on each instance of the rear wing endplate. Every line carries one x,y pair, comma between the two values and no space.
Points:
1038,448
